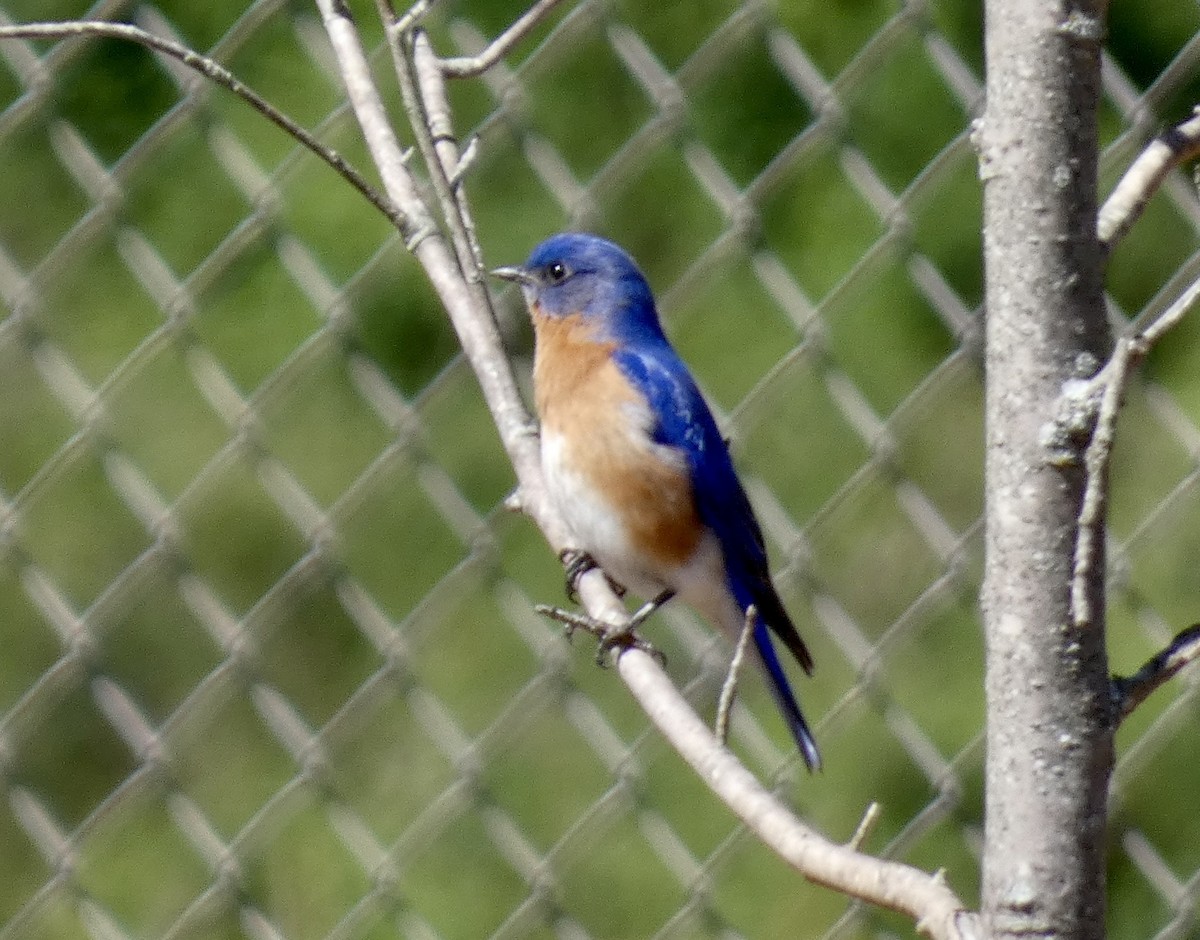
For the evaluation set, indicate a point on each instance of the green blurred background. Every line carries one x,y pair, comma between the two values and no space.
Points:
268,665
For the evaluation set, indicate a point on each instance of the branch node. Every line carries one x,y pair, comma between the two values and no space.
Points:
470,66
1065,436
1082,28
413,16
415,239
465,161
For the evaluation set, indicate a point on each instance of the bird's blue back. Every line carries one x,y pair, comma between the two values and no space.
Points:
686,423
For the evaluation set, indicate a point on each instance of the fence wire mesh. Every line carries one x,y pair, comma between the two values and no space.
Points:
269,663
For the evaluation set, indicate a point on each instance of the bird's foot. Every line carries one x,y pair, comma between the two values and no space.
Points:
609,637
578,564
626,638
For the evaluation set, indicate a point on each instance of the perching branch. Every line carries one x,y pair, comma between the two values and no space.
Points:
925,897
1129,198
214,71
1130,691
893,885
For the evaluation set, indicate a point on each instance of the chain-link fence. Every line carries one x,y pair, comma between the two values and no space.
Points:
268,661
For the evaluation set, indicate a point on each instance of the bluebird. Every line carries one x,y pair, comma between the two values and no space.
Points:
633,460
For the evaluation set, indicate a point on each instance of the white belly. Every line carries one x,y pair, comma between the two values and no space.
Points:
595,524
596,528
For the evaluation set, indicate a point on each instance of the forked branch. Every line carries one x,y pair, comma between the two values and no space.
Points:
1091,407
1097,402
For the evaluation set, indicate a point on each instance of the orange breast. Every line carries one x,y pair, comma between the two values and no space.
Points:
605,427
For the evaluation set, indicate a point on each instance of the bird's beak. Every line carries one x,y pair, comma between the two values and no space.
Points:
518,275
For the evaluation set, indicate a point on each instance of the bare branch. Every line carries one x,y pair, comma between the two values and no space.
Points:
1105,393
926,898
1169,318
431,87
399,44
1128,199
1129,692
1049,734
477,334
413,15
220,75
729,689
1089,534
466,67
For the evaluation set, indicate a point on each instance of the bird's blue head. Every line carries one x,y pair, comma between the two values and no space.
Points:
576,274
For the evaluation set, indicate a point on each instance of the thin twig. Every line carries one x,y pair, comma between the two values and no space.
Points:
220,75
613,640
1129,692
1170,317
1108,390
478,335
866,826
413,15
729,688
1129,198
423,88
573,621
467,66
1089,535
431,86
400,46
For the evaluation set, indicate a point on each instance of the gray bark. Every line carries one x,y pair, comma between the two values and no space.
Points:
1049,740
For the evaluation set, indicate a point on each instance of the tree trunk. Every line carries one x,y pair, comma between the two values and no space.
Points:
1049,741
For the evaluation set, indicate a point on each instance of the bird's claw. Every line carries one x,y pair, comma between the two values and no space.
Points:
578,564
626,638
609,637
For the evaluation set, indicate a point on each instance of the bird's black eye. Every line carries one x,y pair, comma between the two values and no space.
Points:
556,272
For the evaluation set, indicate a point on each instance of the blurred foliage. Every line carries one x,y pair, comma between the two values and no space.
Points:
350,537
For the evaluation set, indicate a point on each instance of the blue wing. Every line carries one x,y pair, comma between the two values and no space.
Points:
685,423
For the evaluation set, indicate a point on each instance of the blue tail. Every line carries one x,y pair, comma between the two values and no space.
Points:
781,691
